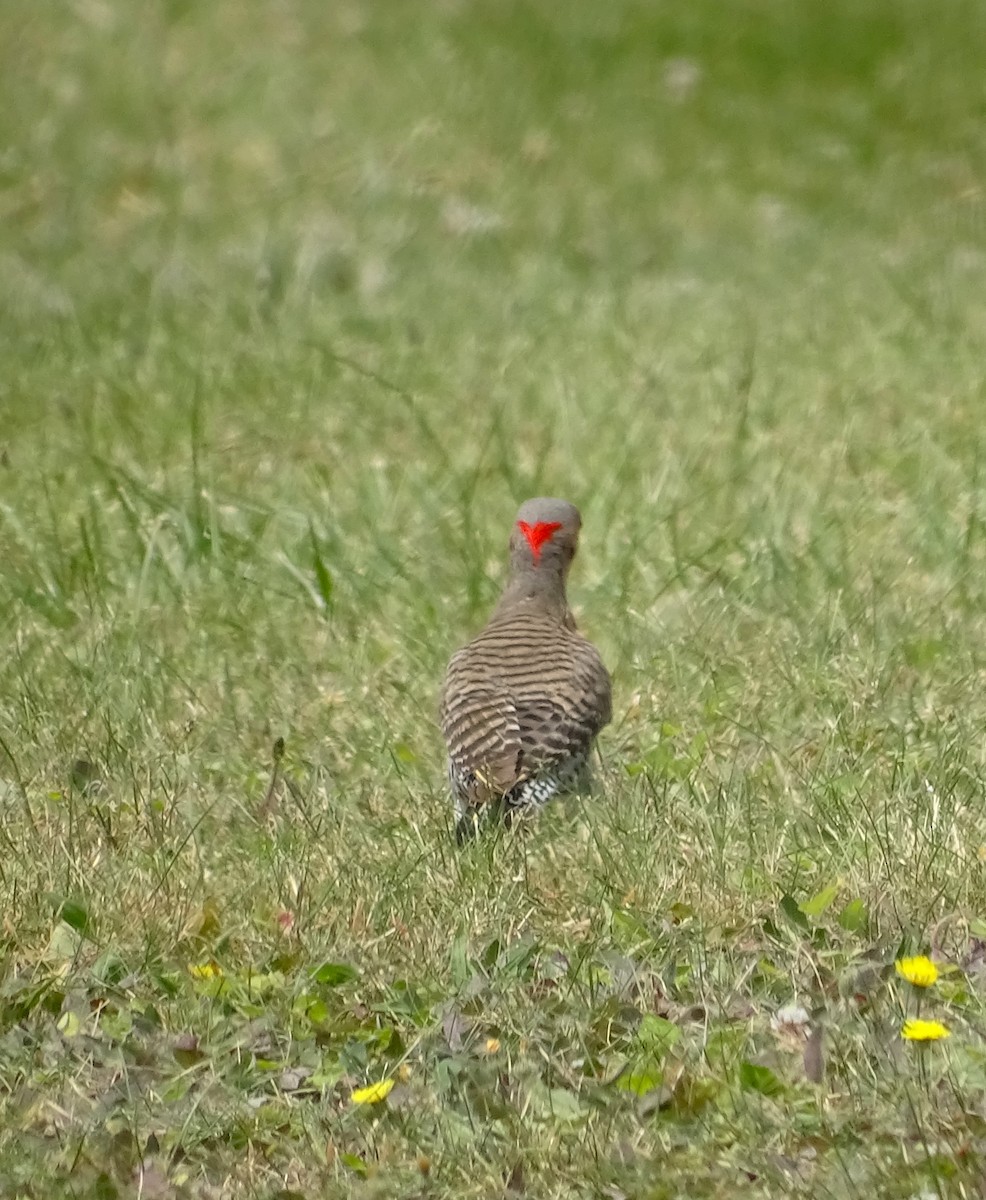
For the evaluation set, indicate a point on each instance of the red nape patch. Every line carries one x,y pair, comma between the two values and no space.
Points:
538,534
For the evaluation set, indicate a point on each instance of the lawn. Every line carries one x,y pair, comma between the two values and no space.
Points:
298,301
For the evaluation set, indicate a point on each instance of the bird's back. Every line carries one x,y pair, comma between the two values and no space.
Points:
523,700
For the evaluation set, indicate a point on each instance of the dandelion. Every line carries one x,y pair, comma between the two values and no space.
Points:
920,970
374,1093
492,1045
916,1030
205,970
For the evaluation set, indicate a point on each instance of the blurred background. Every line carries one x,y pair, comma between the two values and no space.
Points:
300,300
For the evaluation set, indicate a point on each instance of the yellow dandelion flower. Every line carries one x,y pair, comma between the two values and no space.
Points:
205,970
492,1045
916,1030
920,970
374,1093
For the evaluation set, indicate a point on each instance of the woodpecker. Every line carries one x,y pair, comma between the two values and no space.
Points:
524,700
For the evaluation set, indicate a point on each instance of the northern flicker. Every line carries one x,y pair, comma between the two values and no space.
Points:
523,702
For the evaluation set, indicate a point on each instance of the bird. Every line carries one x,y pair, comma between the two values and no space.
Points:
523,702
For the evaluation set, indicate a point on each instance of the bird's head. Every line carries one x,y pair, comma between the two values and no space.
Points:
545,535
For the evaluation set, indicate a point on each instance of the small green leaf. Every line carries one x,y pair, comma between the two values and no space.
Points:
790,908
756,1078
517,960
69,1024
334,974
854,917
74,913
491,954
116,1025
822,900
629,930
657,1034
64,942
354,1163
641,1078
318,1013
259,984
187,1051
459,960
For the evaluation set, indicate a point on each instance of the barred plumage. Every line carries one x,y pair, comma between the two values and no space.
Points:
524,701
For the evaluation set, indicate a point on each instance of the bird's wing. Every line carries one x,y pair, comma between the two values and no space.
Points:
597,689
568,710
481,728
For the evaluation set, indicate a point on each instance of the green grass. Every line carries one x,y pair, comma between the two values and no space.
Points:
298,301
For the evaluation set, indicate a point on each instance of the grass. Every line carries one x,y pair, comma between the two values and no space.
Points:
299,301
